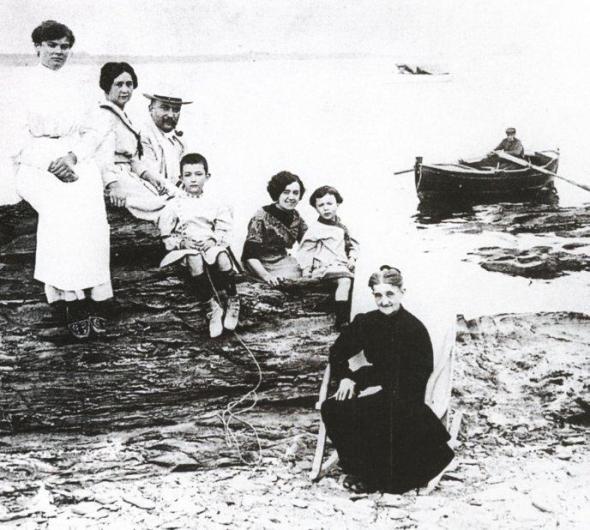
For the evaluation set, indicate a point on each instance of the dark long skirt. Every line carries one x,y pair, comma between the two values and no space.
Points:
392,448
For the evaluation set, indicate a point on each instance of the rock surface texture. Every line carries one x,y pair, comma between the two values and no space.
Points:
128,432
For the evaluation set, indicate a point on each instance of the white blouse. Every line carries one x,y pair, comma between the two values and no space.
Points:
197,218
55,109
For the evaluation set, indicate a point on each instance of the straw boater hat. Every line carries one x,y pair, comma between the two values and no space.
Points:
163,94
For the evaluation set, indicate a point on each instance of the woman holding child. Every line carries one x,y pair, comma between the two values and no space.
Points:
274,230
57,174
389,440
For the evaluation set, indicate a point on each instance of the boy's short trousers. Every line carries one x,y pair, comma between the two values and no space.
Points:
210,255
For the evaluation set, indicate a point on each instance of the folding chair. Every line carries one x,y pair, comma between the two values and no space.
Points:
437,397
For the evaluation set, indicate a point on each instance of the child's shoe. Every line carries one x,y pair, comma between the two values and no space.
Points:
215,316
232,313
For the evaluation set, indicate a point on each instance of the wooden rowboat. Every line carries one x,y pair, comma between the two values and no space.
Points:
486,179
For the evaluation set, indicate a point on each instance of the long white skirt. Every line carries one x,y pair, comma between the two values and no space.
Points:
73,240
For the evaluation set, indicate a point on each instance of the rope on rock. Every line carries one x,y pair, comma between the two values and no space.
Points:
232,412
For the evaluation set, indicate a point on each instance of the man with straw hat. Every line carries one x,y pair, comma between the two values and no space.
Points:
161,142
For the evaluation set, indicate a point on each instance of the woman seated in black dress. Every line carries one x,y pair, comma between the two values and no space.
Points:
390,440
273,230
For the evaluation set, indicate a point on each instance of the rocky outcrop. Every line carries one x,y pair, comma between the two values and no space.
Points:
157,365
552,241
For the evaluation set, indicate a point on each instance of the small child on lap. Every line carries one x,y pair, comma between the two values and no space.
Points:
327,250
196,230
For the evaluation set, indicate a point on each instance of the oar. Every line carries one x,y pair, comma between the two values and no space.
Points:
524,163
418,162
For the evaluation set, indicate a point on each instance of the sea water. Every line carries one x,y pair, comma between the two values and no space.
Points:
351,123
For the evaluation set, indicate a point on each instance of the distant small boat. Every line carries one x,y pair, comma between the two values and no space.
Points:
414,69
480,180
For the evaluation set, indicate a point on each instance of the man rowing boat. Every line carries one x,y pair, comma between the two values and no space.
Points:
511,145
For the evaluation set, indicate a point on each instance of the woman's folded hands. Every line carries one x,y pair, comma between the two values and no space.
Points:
62,168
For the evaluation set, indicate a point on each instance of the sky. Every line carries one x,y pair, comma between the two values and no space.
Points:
445,29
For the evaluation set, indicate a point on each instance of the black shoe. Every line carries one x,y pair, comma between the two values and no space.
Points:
77,319
97,325
80,329
356,485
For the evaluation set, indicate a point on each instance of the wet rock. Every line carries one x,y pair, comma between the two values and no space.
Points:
496,493
105,499
171,525
343,505
176,460
6,488
325,508
363,504
566,250
427,502
396,514
497,419
299,503
564,453
42,503
12,516
536,262
78,495
574,440
426,519
87,509
358,496
393,501
223,517
296,449
543,503
139,502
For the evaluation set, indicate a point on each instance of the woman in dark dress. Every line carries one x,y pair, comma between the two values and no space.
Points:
390,440
273,231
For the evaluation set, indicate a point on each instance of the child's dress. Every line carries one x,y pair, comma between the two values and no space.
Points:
325,250
187,218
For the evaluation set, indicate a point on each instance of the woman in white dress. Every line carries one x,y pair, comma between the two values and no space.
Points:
57,174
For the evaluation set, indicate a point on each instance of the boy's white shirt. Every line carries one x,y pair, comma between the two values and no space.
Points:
195,217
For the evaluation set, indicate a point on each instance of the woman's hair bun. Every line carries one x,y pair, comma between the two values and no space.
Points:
387,274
